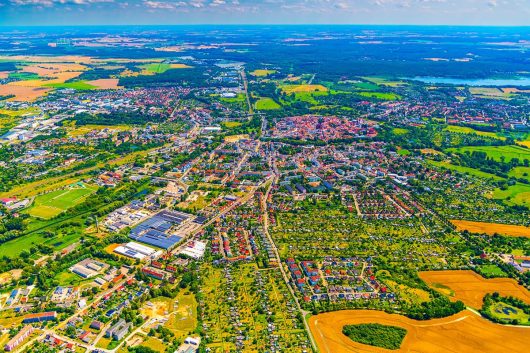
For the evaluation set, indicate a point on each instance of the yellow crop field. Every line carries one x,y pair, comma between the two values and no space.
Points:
463,332
470,288
303,88
492,228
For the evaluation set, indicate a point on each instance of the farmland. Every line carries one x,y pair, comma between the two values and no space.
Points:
468,130
464,170
492,228
262,72
267,104
498,153
422,336
471,288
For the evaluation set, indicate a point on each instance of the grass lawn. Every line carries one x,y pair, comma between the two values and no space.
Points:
231,124
508,312
492,270
267,104
518,194
54,203
380,95
68,278
156,68
496,152
399,131
76,131
464,170
155,344
77,85
384,82
403,152
520,172
524,141
183,320
368,86
468,130
14,247
160,68
23,76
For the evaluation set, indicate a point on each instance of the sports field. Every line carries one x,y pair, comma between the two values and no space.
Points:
471,288
54,203
464,332
492,228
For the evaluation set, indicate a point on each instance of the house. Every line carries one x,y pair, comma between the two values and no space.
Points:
96,325
40,317
118,330
19,338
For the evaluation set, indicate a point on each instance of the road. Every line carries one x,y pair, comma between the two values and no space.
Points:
245,86
278,259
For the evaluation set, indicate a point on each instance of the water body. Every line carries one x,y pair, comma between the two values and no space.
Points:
517,82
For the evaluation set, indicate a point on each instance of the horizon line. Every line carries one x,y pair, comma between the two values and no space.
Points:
267,24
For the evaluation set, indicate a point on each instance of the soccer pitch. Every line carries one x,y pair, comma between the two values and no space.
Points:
54,203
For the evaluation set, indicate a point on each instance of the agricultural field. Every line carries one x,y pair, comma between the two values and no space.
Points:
262,72
520,173
498,153
463,332
491,93
267,104
303,88
492,228
380,95
76,131
77,85
381,81
54,203
517,194
468,130
471,288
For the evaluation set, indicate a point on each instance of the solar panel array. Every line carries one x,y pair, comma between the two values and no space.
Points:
154,231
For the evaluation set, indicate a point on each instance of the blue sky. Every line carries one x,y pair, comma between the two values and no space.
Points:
94,12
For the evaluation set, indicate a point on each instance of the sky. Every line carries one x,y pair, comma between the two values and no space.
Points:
153,12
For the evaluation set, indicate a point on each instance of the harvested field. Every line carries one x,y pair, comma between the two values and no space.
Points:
303,88
54,70
492,228
105,83
463,332
471,288
22,93
47,59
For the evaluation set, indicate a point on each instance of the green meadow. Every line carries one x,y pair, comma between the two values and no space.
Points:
77,85
267,104
497,152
